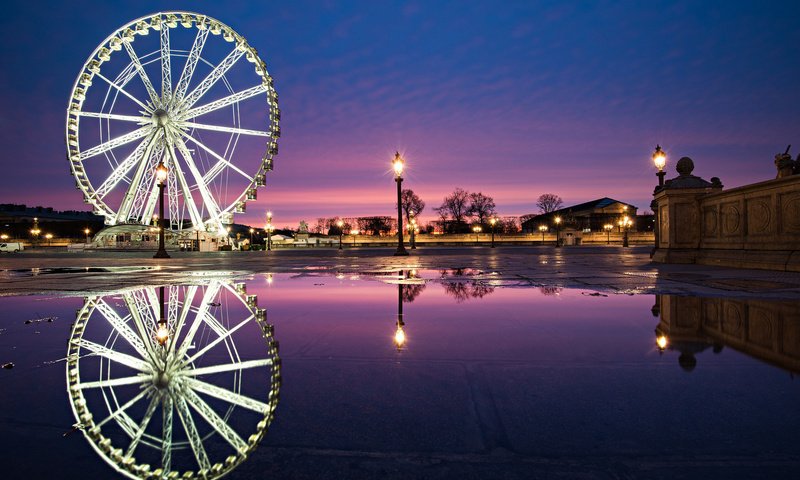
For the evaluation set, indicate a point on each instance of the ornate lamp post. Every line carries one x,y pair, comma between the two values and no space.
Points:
49,237
397,164
161,177
624,224
557,220
162,331
608,227
542,228
340,226
660,161
354,233
477,229
269,228
399,334
492,222
412,229
251,237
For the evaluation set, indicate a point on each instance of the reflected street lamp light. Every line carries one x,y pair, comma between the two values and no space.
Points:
162,331
161,177
557,220
398,164
399,334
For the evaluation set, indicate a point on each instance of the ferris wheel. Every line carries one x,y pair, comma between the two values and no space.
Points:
160,385
179,89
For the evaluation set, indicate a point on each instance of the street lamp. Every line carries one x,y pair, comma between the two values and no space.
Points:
558,231
660,161
87,232
49,237
608,227
269,228
354,233
477,229
542,228
397,164
412,229
161,177
251,237
35,231
340,226
624,224
493,221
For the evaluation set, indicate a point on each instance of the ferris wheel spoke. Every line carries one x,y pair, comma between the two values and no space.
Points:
210,295
113,355
264,362
217,340
148,415
166,67
191,63
125,92
208,199
228,396
114,116
128,199
121,326
166,434
219,166
116,142
145,197
218,128
144,333
121,410
117,382
212,78
142,74
188,198
187,306
217,423
226,101
191,433
122,169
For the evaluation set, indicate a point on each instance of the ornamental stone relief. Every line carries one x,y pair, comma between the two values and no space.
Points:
790,213
759,215
710,221
731,219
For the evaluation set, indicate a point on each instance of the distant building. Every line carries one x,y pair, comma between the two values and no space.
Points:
585,216
14,213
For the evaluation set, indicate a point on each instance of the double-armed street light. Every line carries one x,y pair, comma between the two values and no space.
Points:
412,229
340,226
557,221
492,222
624,224
161,177
477,229
542,228
398,164
608,227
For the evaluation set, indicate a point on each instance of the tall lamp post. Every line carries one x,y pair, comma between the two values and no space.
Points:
269,228
492,222
412,230
542,228
624,224
398,163
161,177
251,237
162,330
557,220
399,334
340,226
608,227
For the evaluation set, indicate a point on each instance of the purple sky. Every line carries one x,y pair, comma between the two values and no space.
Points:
516,101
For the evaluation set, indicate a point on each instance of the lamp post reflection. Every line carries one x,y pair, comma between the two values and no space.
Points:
399,334
409,287
398,164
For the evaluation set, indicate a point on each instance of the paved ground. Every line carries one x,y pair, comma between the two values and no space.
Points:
623,270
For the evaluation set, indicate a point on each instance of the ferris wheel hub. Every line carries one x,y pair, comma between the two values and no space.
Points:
161,118
162,380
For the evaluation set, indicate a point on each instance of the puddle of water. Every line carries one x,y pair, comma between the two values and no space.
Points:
422,364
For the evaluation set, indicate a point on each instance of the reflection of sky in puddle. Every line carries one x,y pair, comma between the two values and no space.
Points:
533,371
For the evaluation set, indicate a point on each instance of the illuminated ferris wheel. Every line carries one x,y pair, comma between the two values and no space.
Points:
172,385
179,89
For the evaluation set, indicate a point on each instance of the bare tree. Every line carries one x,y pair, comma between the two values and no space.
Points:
456,205
549,202
481,207
410,202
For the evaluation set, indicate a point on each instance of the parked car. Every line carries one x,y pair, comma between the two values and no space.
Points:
11,247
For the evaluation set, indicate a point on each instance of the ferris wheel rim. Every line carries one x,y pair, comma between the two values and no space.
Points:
205,212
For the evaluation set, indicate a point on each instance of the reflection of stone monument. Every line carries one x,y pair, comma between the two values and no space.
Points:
766,330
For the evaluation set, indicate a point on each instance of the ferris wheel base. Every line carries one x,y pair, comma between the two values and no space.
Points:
145,238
